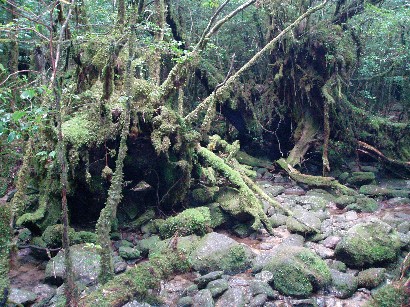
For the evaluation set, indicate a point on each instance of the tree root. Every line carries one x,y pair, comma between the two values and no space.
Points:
316,181
304,135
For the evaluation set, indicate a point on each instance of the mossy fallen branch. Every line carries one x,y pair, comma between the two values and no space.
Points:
251,203
315,181
399,168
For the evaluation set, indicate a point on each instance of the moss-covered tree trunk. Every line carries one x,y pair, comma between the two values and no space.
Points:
109,212
5,240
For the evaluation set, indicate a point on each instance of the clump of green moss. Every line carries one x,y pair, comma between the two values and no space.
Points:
136,282
52,236
204,195
189,221
391,295
364,204
361,178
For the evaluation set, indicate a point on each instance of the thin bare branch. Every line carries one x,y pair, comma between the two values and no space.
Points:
16,73
57,56
212,20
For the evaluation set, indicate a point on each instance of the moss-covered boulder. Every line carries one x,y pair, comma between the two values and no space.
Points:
190,221
361,178
303,221
129,253
218,216
344,200
230,200
367,244
218,252
150,244
364,204
137,281
391,295
21,297
371,278
343,284
86,268
374,191
297,271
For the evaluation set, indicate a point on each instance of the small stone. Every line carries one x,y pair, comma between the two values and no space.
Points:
264,276
298,191
274,190
304,222
217,287
44,293
136,304
277,220
232,297
202,281
203,298
266,246
120,267
398,201
22,297
261,287
404,227
191,290
258,300
337,265
310,302
351,216
344,200
331,242
294,240
322,251
185,301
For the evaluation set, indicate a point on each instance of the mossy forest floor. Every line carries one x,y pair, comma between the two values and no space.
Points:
320,223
